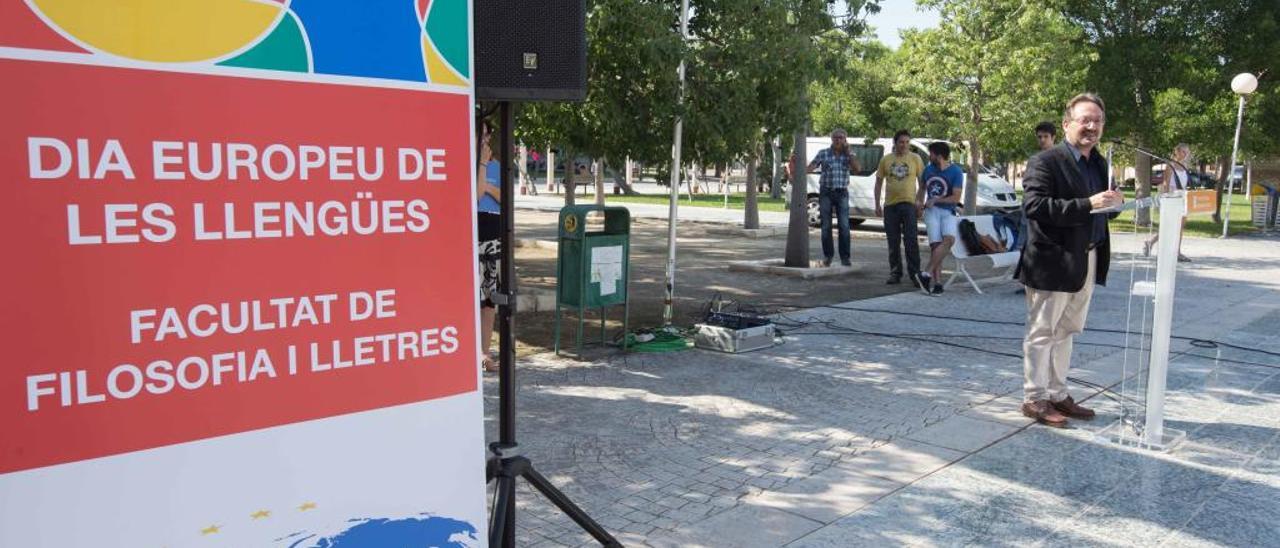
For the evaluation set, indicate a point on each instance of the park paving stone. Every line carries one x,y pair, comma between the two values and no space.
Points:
962,433
904,460
746,526
848,440
829,495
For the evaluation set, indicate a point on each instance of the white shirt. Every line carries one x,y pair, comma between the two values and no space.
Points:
1179,179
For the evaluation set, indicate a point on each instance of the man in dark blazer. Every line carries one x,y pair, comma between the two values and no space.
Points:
1067,252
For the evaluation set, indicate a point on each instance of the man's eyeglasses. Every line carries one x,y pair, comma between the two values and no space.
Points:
1098,122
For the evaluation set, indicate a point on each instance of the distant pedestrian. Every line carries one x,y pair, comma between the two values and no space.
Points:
1046,135
1069,250
535,157
488,211
1175,180
899,178
939,193
835,164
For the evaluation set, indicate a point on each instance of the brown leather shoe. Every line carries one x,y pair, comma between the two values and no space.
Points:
1044,414
1070,408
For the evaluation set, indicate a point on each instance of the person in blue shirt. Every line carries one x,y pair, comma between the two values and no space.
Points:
940,191
488,234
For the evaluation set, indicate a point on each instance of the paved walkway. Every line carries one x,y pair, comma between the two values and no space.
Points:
842,436
704,251
553,202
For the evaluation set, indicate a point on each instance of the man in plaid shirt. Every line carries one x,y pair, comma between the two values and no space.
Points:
835,164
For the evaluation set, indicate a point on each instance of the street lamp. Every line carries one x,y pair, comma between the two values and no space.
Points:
668,300
1243,84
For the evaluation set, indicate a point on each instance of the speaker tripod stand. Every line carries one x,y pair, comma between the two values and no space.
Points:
505,465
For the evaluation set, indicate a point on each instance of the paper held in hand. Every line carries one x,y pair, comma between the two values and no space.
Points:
1135,204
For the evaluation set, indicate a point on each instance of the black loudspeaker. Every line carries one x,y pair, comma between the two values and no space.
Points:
530,50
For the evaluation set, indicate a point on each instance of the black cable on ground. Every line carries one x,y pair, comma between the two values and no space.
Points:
1202,343
784,321
1104,390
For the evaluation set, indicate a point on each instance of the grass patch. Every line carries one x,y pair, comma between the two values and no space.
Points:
736,200
1199,225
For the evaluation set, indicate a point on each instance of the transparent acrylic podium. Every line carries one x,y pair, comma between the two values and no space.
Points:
1148,431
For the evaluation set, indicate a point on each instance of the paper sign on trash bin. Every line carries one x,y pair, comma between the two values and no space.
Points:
606,268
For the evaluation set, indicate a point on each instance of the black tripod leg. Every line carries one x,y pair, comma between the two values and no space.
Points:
569,508
502,530
504,503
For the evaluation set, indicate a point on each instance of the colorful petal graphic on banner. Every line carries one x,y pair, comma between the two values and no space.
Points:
163,30
284,49
373,38
23,29
447,28
437,71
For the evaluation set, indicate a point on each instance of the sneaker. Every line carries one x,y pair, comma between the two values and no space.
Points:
937,289
846,262
893,280
1183,258
826,261
923,279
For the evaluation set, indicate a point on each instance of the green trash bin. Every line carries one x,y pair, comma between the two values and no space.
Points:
593,266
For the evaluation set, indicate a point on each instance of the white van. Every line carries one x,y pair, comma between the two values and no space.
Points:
994,193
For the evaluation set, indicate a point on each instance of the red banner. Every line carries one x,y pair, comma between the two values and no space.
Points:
273,252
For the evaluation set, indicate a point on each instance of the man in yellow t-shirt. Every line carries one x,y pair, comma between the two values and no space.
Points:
900,172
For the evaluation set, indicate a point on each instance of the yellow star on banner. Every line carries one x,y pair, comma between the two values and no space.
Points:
260,514
210,530
307,506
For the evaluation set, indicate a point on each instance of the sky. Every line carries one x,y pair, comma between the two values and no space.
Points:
896,15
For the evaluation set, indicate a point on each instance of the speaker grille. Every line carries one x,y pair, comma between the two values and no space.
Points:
530,50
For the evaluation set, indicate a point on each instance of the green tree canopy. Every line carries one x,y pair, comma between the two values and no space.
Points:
988,73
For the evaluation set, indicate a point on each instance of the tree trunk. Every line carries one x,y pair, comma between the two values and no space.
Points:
551,170
971,186
1142,184
627,189
569,197
797,253
775,182
523,168
751,211
599,164
627,178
